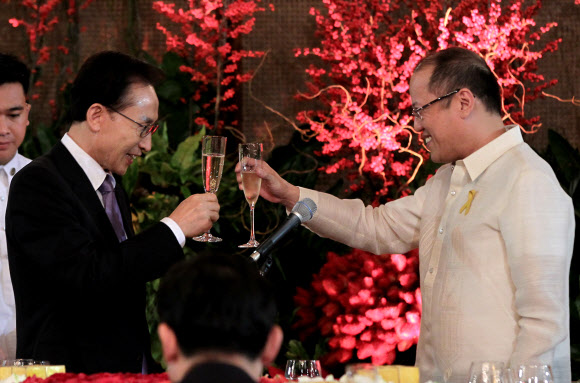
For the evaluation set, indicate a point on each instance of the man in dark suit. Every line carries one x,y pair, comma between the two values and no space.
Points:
78,269
217,319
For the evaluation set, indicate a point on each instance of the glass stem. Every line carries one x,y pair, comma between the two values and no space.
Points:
252,238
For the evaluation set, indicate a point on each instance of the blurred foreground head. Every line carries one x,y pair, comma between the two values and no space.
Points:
216,307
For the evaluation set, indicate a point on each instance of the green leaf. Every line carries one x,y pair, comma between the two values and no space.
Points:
130,178
185,191
296,351
170,90
160,140
46,138
164,176
171,63
185,155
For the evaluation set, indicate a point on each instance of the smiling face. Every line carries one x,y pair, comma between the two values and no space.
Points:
438,125
119,140
13,120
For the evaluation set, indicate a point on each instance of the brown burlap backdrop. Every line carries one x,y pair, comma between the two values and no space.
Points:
125,25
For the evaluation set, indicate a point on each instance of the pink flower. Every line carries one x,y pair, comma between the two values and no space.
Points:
362,306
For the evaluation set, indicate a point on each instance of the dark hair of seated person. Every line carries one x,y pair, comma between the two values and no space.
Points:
217,303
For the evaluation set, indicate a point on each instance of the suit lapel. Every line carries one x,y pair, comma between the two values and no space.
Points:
74,175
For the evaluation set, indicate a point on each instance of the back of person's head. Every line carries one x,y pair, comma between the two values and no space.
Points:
456,68
12,70
105,77
217,303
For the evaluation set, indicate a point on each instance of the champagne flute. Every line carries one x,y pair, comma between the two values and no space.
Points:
213,151
250,160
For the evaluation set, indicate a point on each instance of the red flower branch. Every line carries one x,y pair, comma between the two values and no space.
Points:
368,52
206,38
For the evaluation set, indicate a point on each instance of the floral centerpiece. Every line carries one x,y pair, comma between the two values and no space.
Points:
101,378
364,304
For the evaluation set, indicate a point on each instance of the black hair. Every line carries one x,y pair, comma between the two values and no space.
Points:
217,302
456,68
105,77
12,70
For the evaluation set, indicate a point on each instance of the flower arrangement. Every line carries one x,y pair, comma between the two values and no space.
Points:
41,18
208,30
101,378
368,306
368,52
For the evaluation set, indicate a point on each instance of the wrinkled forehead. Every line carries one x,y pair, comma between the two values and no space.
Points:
139,93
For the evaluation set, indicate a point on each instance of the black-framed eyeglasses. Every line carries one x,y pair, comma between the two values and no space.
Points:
416,112
145,129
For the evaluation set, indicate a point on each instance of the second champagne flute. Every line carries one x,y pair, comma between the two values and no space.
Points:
213,151
250,160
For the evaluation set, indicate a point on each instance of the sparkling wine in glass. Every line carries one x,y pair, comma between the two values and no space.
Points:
250,160
213,151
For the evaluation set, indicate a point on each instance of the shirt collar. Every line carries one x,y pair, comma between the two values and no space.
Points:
11,166
481,159
92,169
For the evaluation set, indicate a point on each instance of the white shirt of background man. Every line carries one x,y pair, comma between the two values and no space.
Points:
7,308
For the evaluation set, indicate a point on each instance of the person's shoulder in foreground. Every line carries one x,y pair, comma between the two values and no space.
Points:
217,319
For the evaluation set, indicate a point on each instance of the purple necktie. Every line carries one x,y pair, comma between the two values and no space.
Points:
112,207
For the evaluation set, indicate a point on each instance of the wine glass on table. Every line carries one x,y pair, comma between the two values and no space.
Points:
250,161
487,372
213,152
302,368
534,373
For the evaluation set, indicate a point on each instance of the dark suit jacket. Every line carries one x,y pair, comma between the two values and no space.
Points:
80,294
217,373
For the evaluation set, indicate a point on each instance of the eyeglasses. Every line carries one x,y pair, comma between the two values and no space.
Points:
146,129
416,111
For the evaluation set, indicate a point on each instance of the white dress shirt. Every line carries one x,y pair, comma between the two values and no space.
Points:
97,175
7,308
494,276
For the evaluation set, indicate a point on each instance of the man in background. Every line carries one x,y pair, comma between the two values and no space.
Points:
78,269
495,230
217,320
14,81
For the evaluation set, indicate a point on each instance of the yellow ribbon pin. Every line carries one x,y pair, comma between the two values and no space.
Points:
467,205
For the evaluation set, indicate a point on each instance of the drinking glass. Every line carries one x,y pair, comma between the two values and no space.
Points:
366,373
213,151
250,160
297,368
486,372
534,373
